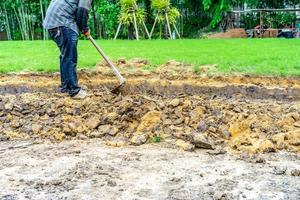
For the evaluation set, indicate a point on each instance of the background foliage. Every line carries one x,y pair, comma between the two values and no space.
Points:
22,19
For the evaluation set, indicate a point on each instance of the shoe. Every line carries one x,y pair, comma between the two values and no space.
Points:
82,94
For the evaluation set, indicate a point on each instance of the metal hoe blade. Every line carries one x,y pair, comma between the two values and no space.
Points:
118,89
121,79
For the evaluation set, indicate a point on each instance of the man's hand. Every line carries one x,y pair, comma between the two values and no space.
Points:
87,34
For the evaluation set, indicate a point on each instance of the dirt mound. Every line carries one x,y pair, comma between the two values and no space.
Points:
233,33
244,114
270,33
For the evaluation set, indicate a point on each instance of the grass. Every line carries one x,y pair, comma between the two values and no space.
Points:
155,139
248,56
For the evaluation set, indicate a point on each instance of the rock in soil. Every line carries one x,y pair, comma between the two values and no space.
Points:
200,141
139,139
295,172
184,145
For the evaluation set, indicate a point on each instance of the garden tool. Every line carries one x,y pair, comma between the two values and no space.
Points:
121,79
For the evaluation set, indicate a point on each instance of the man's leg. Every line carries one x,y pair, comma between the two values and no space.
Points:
57,36
69,60
63,86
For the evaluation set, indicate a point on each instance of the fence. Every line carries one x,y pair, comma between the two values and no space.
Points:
3,36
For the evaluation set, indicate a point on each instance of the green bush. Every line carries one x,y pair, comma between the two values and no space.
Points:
281,19
173,15
162,7
126,15
127,3
160,4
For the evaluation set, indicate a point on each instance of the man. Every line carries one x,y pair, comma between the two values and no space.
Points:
64,20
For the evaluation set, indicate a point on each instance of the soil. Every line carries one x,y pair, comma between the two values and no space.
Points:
233,33
91,170
249,126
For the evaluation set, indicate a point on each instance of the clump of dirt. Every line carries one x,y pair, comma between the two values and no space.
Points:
239,113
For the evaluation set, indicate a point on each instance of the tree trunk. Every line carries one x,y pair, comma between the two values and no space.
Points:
21,17
146,30
24,20
153,27
7,25
118,30
176,30
136,27
43,16
148,9
94,18
30,23
131,32
168,26
20,25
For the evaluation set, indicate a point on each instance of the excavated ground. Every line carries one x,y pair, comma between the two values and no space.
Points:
239,113
242,116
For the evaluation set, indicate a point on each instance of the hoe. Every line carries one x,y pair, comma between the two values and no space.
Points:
121,79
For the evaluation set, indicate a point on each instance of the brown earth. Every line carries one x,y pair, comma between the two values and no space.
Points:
241,114
271,33
233,33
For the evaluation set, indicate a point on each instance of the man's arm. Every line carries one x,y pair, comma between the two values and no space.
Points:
82,16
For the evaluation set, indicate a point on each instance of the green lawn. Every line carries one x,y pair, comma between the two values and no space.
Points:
247,56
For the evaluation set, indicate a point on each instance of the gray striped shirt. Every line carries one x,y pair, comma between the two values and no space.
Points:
63,13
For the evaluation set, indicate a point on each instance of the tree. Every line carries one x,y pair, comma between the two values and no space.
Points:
131,14
22,19
165,14
104,18
217,8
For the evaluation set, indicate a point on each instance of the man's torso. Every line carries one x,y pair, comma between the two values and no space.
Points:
61,13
